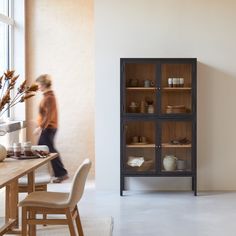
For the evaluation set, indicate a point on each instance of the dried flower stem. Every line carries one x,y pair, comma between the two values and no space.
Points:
3,89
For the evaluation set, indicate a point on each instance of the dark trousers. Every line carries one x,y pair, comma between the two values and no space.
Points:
47,138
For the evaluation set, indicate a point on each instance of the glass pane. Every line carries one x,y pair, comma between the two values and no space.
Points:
140,88
3,47
140,146
176,146
176,84
3,7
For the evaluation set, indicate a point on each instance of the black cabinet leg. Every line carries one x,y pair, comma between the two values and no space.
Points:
122,185
194,185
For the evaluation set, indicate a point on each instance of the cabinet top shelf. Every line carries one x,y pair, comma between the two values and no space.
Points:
167,145
155,88
141,88
177,89
151,145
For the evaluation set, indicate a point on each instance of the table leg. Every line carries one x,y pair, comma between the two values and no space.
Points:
31,183
11,208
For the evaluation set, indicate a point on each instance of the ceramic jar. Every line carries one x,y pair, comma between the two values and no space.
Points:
147,83
169,162
181,164
3,152
150,109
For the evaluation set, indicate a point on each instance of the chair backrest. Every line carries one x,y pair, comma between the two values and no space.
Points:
78,183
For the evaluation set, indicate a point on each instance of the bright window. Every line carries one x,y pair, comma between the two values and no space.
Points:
3,7
6,36
3,47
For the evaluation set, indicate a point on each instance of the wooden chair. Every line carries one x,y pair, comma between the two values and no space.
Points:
42,179
42,175
55,203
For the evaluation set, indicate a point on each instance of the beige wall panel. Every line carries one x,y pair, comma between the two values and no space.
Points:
59,41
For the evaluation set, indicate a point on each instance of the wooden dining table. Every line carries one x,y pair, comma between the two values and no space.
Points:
10,171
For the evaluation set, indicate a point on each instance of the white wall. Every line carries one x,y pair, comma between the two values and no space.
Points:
60,41
170,28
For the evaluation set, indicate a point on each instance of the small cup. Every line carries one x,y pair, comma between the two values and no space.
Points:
133,82
181,164
142,107
27,148
135,139
175,82
170,82
147,83
10,151
17,149
143,139
181,82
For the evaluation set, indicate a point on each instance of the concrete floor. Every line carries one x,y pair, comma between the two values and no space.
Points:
164,213
161,213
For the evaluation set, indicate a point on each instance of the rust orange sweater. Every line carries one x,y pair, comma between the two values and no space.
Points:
47,117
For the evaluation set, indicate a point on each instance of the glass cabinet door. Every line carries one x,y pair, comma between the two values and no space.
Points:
140,151
176,146
176,88
140,88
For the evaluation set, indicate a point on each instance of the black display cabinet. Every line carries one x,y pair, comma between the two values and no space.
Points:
158,118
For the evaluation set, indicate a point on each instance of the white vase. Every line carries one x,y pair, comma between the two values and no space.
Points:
3,152
169,162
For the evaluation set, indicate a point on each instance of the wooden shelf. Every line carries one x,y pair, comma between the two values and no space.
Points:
177,89
179,171
151,145
141,88
167,145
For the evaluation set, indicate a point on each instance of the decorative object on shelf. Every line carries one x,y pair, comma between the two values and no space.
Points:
181,164
143,106
175,109
143,139
133,83
135,139
175,82
147,83
150,109
150,106
181,82
133,107
181,141
169,162
135,161
139,140
170,82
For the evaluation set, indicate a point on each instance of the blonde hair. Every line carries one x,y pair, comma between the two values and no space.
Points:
45,80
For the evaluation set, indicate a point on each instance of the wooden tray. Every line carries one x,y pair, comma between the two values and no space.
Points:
25,157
